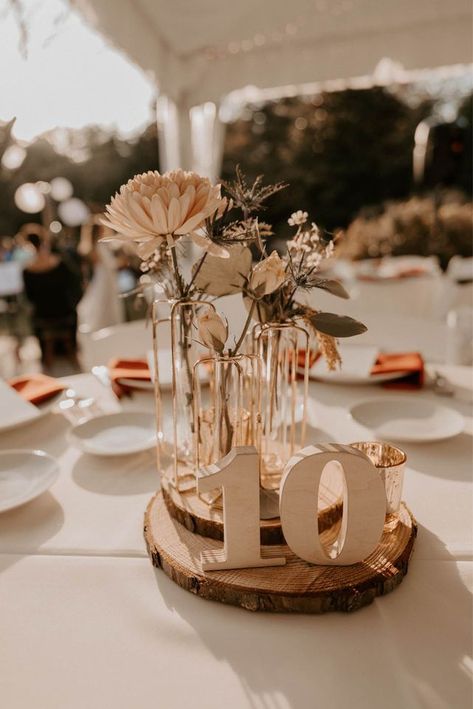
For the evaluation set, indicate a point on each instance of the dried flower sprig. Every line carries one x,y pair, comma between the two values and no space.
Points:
250,197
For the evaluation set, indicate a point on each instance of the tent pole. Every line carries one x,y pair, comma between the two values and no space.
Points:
174,134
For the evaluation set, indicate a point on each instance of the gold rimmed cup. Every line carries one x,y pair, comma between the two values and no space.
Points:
391,462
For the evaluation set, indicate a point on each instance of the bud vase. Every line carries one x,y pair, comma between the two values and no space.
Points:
227,411
284,352
176,441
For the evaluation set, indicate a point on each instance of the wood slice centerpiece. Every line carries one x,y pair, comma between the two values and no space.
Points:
206,520
296,587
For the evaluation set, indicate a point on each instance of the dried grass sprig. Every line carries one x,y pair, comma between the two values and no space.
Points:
249,197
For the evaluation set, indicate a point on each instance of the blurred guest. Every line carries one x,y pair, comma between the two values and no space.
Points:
101,305
23,250
54,290
6,249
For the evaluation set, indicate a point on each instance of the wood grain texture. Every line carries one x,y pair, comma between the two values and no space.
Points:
297,587
207,521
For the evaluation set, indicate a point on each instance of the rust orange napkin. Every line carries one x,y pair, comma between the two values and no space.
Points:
36,388
410,362
119,369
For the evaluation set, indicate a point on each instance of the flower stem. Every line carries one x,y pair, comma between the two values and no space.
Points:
175,266
245,329
194,276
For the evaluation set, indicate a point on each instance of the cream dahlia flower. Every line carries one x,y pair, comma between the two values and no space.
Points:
152,208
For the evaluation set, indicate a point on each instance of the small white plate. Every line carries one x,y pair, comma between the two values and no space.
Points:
116,434
44,408
24,474
406,419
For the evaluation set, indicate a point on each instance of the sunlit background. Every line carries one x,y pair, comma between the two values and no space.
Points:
62,74
381,157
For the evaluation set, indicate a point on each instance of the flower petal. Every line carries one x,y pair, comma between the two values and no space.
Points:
144,250
174,215
191,224
159,214
209,246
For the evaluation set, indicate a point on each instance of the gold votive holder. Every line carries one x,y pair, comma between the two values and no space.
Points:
391,462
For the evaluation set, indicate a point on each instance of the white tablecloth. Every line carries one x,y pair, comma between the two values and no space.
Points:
85,620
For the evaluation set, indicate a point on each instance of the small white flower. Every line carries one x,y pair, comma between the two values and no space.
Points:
213,331
330,248
297,218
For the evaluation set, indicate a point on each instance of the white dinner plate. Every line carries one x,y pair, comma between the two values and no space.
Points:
408,419
24,474
341,377
44,408
116,434
357,363
165,371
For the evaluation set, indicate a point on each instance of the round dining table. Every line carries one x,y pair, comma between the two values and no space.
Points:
86,622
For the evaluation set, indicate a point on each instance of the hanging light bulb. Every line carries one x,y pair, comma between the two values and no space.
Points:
13,157
55,227
29,198
61,189
73,212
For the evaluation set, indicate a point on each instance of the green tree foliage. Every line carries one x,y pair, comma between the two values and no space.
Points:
338,151
96,162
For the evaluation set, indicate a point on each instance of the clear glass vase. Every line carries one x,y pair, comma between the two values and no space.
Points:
285,355
174,405
227,411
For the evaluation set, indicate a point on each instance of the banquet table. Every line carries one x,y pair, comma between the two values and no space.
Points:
86,621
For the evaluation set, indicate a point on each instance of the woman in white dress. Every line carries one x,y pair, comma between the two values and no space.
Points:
100,305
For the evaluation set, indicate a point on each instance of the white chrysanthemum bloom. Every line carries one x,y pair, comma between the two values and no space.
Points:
268,275
297,218
213,330
152,208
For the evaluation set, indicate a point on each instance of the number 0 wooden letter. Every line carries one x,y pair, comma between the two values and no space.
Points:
238,475
364,505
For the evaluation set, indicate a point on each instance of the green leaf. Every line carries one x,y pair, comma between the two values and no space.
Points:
331,286
224,276
337,325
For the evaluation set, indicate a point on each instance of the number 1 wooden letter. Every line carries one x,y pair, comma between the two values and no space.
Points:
238,476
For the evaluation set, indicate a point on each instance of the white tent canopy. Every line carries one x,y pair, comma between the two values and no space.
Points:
199,51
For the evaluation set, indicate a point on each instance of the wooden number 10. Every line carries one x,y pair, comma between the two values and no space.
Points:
238,475
364,508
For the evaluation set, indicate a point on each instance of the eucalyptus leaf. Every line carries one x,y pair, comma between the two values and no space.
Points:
331,286
224,276
337,325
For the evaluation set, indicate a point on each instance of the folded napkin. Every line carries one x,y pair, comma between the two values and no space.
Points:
313,357
410,362
120,369
397,276
36,388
